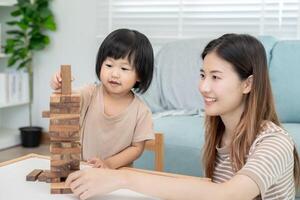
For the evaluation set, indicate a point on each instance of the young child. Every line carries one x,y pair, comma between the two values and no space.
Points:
247,154
115,123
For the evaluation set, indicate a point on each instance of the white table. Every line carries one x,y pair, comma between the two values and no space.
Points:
13,185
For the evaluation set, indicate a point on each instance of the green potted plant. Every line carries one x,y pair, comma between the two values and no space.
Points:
32,20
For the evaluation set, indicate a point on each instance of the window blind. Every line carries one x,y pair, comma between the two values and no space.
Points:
167,20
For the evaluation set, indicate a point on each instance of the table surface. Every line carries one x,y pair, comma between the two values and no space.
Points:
14,186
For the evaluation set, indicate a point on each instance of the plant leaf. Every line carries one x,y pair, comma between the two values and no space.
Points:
50,24
15,32
11,23
24,63
15,13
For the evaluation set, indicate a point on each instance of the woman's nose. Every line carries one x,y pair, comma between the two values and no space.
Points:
204,86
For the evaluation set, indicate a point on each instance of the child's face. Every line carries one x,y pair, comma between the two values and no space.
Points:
221,88
118,76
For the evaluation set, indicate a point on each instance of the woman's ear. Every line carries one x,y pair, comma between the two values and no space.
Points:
248,84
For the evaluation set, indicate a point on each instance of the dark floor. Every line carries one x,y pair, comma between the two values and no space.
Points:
17,151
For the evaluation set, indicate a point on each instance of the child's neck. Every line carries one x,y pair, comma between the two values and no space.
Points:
116,104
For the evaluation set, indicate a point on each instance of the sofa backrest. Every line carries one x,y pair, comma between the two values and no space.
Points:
285,79
176,76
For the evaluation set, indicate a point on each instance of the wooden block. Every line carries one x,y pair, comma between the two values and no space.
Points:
60,188
65,136
48,177
64,128
58,98
66,87
76,156
63,116
62,105
46,114
61,172
65,120
64,110
66,164
65,148
32,176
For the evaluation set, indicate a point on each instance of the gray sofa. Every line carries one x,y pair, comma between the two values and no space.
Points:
177,105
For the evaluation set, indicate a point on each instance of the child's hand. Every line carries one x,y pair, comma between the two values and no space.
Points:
55,82
97,163
56,79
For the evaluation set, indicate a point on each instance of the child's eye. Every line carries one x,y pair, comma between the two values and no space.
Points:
215,77
108,65
202,76
124,69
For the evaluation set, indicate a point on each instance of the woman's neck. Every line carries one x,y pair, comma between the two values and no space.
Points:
231,121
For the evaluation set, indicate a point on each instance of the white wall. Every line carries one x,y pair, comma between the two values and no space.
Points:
73,43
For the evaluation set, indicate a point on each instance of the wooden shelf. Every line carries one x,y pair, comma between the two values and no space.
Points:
9,138
13,104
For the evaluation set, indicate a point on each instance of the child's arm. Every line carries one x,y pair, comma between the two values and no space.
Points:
126,156
94,181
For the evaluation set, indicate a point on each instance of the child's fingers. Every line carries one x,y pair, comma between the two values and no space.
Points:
92,160
54,85
58,76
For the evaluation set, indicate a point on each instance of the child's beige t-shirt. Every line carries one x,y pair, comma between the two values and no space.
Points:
103,136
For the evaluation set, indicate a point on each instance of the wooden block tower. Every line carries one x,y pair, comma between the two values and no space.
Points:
64,130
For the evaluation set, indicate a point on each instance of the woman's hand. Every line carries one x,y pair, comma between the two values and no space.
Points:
94,181
97,163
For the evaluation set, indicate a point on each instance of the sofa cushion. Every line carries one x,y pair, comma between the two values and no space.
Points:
294,131
285,80
268,42
177,70
184,137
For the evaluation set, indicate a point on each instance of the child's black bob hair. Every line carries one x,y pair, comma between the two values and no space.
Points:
131,44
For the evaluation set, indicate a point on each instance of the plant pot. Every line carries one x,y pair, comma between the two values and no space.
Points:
30,136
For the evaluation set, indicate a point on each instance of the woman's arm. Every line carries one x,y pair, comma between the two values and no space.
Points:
89,182
126,156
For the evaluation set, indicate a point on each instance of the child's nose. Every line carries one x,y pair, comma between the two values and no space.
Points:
115,73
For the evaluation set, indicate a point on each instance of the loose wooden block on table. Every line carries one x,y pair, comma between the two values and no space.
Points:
33,176
48,177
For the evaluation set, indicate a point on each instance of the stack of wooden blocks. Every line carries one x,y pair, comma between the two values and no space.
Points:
64,129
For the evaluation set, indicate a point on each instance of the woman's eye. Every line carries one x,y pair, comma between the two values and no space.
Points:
202,76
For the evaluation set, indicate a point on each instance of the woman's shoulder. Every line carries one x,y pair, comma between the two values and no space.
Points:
271,131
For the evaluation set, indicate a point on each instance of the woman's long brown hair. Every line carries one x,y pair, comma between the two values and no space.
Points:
247,56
